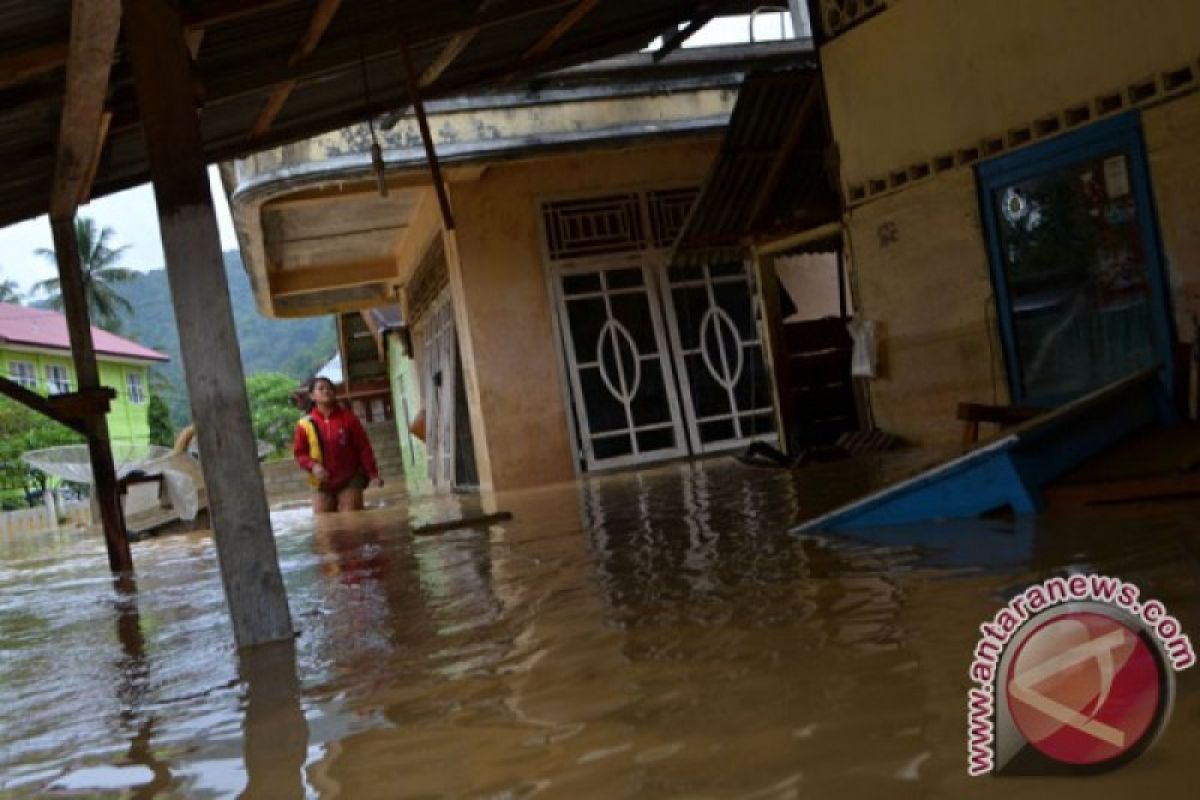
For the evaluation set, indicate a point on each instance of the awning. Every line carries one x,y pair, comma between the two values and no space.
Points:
772,175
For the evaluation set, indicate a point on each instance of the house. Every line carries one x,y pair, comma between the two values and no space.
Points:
542,334
35,352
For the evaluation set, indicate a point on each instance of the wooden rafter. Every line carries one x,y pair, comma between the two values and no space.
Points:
71,410
16,68
318,23
453,49
94,28
559,30
787,149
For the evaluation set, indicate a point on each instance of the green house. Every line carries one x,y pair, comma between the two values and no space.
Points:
35,352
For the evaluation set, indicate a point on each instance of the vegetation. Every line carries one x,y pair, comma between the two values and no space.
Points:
161,430
22,430
296,348
272,411
10,292
100,275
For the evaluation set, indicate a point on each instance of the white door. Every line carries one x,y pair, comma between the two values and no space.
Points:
438,377
621,385
718,355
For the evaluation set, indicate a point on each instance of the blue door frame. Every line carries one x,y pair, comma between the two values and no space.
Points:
1121,133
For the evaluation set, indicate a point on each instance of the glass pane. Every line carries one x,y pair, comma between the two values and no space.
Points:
690,305
661,439
1078,281
651,404
581,284
717,431
604,411
587,318
612,447
633,311
624,278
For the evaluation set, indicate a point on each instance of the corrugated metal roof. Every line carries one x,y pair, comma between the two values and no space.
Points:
773,161
245,53
40,327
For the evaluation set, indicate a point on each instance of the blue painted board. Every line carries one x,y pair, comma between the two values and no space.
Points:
1010,472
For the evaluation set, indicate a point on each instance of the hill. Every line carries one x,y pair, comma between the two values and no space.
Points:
294,347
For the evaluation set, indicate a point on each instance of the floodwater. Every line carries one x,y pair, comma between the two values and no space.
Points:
653,634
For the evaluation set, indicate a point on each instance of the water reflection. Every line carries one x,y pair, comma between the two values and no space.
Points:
654,634
275,734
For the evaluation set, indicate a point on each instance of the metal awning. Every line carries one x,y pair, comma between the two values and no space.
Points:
772,175
268,72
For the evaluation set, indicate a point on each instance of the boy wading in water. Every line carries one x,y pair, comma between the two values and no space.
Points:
331,445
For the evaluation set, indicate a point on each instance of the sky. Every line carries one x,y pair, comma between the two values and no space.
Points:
131,214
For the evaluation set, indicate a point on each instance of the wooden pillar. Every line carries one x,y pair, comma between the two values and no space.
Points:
208,340
87,372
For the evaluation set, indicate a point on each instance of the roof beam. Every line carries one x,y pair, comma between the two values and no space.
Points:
16,68
676,40
94,28
453,49
559,30
787,148
318,23
327,276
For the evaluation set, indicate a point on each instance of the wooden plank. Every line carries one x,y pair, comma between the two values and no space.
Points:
87,373
16,68
94,28
1011,471
559,29
241,519
335,276
318,23
40,404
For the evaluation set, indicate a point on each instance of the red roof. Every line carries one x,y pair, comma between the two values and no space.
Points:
40,327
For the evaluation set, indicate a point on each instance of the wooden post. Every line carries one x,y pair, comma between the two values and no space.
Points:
87,373
435,167
212,364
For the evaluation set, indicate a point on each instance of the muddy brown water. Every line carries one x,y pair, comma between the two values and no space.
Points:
652,634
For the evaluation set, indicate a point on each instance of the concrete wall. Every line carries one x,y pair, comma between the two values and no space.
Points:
503,305
927,282
932,76
1172,133
927,78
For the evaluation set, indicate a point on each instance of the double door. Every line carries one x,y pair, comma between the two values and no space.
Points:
662,363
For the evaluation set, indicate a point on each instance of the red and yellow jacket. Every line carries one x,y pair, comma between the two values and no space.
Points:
338,443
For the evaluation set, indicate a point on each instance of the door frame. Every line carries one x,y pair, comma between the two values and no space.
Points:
1124,133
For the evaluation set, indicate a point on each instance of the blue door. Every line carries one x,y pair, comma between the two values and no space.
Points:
1076,262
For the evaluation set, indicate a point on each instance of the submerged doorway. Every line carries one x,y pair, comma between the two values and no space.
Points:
661,362
1075,263
449,445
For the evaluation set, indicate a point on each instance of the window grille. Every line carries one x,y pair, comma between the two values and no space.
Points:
594,226
669,210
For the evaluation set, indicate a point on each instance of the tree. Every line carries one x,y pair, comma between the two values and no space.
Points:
22,429
272,411
161,430
10,292
98,260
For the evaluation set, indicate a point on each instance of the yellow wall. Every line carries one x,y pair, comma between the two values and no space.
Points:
1172,133
930,290
930,76
503,303
927,77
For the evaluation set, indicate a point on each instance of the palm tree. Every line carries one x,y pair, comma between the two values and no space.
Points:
10,292
98,260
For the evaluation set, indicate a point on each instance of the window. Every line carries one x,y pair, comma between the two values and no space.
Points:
24,373
137,392
58,380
